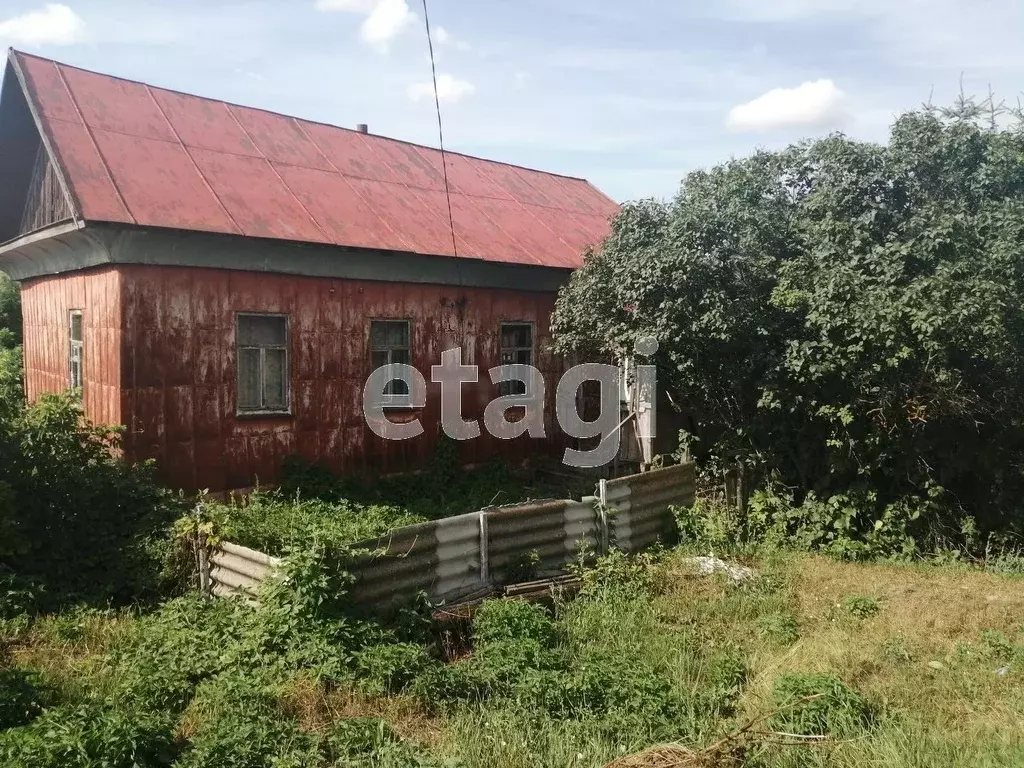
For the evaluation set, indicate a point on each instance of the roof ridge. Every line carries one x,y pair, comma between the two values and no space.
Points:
13,51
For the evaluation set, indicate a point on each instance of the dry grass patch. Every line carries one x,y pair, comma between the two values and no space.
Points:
923,651
70,648
316,707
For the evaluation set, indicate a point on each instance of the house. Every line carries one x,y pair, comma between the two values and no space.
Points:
221,280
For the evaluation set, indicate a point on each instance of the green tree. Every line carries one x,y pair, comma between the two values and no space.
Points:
10,313
847,313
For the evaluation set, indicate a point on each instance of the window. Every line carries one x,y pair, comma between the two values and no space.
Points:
262,363
516,349
389,345
75,349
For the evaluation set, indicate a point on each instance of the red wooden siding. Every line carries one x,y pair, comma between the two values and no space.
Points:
178,373
46,303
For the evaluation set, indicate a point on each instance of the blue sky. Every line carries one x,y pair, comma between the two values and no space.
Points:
629,94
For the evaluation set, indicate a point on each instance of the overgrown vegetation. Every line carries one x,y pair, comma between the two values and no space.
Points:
10,313
275,523
314,507
843,317
443,489
11,394
648,653
76,523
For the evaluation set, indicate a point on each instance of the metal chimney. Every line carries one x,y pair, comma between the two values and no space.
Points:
363,128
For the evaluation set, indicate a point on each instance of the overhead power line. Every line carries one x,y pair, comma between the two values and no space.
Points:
440,129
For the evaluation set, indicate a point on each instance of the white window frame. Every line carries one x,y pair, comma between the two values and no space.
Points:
76,351
262,409
386,400
507,388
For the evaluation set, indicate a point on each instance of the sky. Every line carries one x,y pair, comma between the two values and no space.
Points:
631,95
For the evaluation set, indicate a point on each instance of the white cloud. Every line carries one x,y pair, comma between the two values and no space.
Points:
520,79
385,19
814,104
449,89
442,36
54,25
351,6
386,22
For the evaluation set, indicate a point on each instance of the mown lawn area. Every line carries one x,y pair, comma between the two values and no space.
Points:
812,662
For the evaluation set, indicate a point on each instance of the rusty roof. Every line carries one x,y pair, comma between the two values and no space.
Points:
136,154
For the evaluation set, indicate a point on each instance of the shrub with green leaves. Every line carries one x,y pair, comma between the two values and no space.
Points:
862,607
503,662
243,726
778,628
368,742
726,676
617,574
820,705
597,684
19,600
90,734
10,312
24,694
441,687
499,620
843,314
847,526
385,669
276,523
74,518
174,649
12,395
443,489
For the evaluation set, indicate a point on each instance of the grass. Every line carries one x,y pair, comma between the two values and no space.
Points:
897,665
964,714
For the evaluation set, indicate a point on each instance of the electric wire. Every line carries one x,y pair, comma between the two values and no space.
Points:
440,130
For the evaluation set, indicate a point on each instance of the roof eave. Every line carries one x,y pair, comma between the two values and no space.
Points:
50,230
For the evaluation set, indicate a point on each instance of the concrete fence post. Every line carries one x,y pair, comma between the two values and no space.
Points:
485,566
204,566
602,516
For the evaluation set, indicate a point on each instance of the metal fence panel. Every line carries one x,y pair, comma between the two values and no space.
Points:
236,570
460,556
638,506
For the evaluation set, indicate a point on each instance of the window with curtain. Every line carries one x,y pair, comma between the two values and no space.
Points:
389,345
516,349
262,363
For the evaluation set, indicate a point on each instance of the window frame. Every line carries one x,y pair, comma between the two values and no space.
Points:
505,388
262,410
76,350
384,400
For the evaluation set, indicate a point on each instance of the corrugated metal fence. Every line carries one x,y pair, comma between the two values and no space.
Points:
460,557
636,505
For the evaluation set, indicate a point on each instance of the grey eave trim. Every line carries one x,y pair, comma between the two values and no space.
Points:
66,248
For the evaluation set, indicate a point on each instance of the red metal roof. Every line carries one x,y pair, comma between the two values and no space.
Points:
137,154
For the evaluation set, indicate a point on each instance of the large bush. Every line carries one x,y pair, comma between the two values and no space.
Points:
845,314
10,312
75,518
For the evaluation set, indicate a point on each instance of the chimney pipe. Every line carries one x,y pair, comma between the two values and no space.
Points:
363,128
